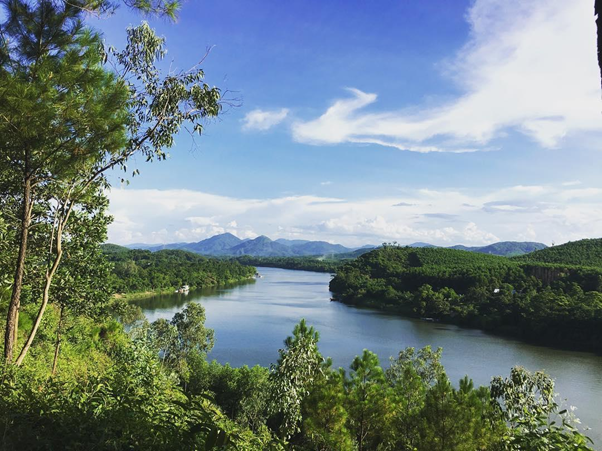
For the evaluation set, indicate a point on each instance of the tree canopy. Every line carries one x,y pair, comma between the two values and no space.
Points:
537,296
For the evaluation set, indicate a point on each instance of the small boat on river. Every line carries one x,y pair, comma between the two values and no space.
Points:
184,289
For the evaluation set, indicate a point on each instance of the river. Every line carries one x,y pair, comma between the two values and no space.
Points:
252,320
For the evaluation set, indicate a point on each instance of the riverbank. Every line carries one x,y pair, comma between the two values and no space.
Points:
137,273
505,331
139,295
142,294
538,303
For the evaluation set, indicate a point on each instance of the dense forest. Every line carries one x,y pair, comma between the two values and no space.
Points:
332,262
557,304
298,263
153,388
583,252
139,271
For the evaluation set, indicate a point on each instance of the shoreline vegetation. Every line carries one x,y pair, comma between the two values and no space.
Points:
138,274
536,297
141,295
316,264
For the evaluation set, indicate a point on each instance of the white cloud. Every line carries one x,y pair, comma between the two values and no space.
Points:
326,183
262,120
528,66
572,183
446,217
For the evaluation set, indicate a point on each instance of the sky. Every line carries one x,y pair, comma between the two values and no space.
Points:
362,122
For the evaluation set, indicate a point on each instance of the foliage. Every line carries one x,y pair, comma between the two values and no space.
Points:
298,263
115,391
560,304
133,404
60,112
367,401
325,417
66,120
586,252
181,337
137,270
299,365
527,403
158,105
241,393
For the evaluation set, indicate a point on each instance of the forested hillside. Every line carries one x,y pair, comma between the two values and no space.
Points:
298,263
505,248
142,270
583,252
560,304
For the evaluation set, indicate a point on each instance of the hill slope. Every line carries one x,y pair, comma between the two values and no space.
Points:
510,248
319,248
137,270
216,245
582,253
261,247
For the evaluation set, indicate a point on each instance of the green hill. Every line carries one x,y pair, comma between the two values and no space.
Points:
511,248
215,245
137,270
545,301
582,253
261,246
113,248
408,268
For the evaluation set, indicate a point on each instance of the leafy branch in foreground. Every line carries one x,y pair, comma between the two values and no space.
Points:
66,121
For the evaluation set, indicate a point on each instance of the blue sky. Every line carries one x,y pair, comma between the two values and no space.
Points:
368,121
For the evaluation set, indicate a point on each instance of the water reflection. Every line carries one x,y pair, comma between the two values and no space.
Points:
179,300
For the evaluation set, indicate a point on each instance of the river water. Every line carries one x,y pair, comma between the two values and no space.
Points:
252,320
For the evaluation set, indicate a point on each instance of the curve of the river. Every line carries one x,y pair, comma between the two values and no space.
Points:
252,320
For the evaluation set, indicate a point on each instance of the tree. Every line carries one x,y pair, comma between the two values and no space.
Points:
598,14
325,415
527,402
59,110
367,398
411,375
88,120
299,365
80,288
181,337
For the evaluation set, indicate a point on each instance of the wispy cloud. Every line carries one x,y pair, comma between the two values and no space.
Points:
446,216
527,66
572,183
326,183
261,120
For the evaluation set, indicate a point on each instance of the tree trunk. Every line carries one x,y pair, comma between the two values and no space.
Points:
58,341
598,14
12,318
46,294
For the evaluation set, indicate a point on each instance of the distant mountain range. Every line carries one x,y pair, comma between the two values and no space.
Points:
505,248
227,244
